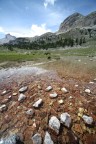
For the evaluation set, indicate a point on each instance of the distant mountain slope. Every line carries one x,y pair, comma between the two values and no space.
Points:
7,39
77,20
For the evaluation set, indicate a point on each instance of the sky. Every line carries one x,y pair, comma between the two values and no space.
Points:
29,18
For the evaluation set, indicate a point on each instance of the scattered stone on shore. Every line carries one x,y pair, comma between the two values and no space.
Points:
81,111
38,103
37,139
4,92
14,94
49,88
87,119
64,90
3,108
76,85
65,119
4,101
47,139
53,95
87,91
30,112
61,101
54,124
23,89
91,82
21,97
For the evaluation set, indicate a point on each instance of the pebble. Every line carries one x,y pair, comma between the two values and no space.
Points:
87,90
14,94
49,88
53,95
87,119
64,90
61,101
3,108
65,119
91,82
21,97
23,89
37,139
76,85
4,92
54,124
47,139
37,103
30,112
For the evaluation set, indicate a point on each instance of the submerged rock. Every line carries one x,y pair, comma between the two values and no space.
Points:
38,103
53,95
21,97
37,139
87,119
49,88
23,89
65,119
47,139
54,124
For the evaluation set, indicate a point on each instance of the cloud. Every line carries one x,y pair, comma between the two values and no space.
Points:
39,30
1,30
47,2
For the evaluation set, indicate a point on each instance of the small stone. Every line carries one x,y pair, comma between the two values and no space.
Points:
37,139
4,92
91,82
23,89
30,112
10,97
49,88
65,119
21,98
38,103
87,91
53,95
64,90
39,87
94,80
70,97
5,101
14,94
87,119
54,124
3,108
47,139
76,85
61,101
80,114
81,110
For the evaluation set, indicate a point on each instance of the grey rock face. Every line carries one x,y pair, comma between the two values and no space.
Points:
14,139
54,124
37,103
87,119
23,89
37,139
65,119
21,97
47,139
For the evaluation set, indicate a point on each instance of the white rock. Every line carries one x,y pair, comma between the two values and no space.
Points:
3,108
70,97
30,112
49,88
53,95
64,90
21,97
4,92
23,89
61,101
37,139
91,82
76,85
37,103
87,119
47,139
87,90
54,124
65,119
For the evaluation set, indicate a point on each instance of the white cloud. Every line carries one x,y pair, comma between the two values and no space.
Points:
1,29
51,2
39,30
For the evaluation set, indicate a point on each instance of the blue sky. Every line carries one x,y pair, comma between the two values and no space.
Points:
27,18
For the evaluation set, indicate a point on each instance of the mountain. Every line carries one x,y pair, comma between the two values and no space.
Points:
7,39
77,20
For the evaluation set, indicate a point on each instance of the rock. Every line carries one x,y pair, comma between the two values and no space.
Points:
53,95
30,112
4,92
70,97
87,119
21,97
37,139
64,90
76,85
47,139
54,124
38,103
14,94
13,139
5,101
23,89
94,80
49,88
61,101
3,108
65,119
87,91
91,82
